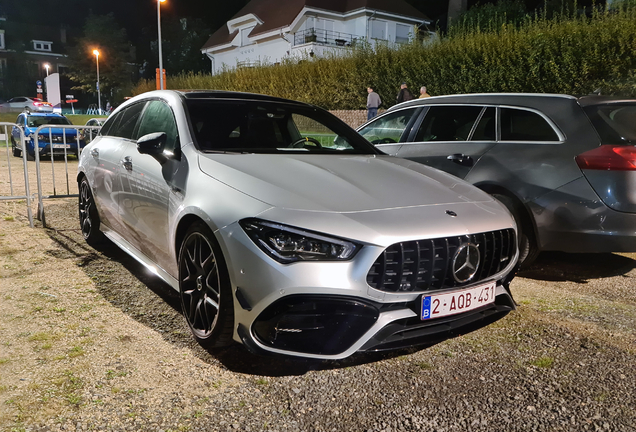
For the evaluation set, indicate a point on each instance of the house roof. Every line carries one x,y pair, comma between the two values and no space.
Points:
281,13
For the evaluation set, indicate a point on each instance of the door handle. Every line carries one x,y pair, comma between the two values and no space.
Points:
126,162
461,159
95,153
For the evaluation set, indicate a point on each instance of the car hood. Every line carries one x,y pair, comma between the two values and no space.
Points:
54,131
338,183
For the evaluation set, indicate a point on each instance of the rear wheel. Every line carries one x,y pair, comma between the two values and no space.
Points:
29,156
528,248
204,287
88,216
16,151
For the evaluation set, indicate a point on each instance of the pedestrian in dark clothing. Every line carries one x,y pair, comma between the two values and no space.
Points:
404,94
373,103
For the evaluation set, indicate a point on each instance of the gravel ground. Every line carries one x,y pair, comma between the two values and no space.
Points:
90,341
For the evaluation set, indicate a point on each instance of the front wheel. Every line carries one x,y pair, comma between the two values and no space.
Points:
528,248
88,216
204,287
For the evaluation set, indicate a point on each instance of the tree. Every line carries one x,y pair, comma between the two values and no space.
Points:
182,40
116,68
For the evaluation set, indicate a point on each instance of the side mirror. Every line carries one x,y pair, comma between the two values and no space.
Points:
152,144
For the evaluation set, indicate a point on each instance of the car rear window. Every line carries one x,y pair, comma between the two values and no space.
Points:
615,123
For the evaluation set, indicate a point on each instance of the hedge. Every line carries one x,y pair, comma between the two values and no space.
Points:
565,54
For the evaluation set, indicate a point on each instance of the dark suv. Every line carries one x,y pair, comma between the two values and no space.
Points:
564,166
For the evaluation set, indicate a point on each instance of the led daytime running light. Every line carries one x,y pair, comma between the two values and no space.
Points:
288,244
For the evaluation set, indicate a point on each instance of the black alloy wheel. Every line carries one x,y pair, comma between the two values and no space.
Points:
16,151
204,287
88,216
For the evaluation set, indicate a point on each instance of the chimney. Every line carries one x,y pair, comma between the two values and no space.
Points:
63,35
455,9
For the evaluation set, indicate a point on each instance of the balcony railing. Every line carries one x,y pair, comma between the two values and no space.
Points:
324,37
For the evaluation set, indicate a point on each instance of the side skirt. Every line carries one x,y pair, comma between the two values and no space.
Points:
140,257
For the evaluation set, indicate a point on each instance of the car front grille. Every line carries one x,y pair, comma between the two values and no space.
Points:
425,265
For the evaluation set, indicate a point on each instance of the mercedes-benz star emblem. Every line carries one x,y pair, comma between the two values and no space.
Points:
465,262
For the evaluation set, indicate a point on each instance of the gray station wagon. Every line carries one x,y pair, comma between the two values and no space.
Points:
564,166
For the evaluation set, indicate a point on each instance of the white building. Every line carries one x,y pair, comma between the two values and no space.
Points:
267,31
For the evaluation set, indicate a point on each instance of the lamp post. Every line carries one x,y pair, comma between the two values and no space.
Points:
99,98
159,41
47,66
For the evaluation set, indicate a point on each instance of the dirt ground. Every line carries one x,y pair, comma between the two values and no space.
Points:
91,341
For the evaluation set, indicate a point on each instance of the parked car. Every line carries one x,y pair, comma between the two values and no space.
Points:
56,140
283,229
564,166
89,134
23,103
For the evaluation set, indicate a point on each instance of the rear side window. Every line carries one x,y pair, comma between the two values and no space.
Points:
615,123
388,128
522,125
158,117
448,123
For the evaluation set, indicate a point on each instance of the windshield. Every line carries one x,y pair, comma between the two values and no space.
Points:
270,127
615,122
36,121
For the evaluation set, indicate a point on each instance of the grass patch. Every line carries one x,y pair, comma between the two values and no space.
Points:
543,362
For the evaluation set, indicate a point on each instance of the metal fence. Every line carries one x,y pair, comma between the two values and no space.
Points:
56,145
8,129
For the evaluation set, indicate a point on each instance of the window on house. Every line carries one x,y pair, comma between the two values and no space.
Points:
402,33
41,45
378,29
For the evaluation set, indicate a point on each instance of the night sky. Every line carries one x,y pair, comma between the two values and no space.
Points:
134,15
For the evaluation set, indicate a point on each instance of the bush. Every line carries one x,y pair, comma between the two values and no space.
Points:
564,54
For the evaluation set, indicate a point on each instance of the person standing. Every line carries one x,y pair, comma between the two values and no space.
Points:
373,103
404,94
423,93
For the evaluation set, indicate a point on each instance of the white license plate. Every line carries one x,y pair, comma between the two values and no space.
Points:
441,305
61,145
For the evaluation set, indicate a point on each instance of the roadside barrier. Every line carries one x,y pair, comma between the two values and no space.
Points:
7,128
57,147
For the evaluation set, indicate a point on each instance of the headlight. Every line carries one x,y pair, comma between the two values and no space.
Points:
288,244
43,137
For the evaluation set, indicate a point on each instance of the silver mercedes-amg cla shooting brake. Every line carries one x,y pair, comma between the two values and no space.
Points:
283,229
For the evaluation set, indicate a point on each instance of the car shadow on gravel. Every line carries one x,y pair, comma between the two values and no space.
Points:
579,268
129,286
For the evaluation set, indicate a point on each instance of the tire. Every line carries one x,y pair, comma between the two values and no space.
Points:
528,248
204,288
88,215
29,156
16,151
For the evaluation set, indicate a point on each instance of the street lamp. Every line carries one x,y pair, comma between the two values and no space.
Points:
47,66
159,40
99,98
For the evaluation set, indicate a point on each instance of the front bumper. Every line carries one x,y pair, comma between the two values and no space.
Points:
327,310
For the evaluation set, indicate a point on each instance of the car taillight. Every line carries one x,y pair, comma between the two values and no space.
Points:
609,157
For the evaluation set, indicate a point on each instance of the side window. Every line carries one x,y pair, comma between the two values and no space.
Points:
522,125
448,123
388,128
111,124
485,130
158,117
126,125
